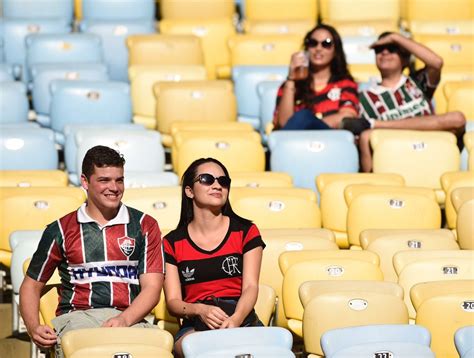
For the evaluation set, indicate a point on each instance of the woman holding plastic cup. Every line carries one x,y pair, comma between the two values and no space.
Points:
319,91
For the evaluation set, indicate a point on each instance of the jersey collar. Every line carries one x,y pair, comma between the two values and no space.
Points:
378,89
122,216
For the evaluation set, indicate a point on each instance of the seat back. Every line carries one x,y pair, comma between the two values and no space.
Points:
344,10
267,93
27,178
455,50
261,180
450,181
259,10
142,10
13,102
418,10
469,143
34,10
192,10
458,99
464,229
464,340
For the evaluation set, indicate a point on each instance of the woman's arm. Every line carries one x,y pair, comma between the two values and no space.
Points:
334,120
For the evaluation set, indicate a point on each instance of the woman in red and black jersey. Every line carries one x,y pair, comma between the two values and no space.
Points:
319,91
212,254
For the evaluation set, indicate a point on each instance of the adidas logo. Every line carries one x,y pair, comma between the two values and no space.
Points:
188,274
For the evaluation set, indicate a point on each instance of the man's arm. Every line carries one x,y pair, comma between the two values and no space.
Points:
147,299
30,293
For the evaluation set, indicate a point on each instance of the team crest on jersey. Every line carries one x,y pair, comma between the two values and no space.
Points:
334,94
127,245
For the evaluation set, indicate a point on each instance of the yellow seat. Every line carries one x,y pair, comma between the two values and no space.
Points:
469,143
78,10
280,10
414,267
210,101
333,304
271,27
333,205
389,207
262,180
162,203
365,72
364,27
410,154
32,209
281,240
386,243
459,96
451,181
164,319
194,10
450,79
28,178
443,307
214,34
320,265
277,208
442,27
142,79
465,213
238,151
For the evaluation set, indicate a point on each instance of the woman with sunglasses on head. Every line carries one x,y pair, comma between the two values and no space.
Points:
399,101
322,96
213,257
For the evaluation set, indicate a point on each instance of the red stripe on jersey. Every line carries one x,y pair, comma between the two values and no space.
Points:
154,261
81,296
54,257
229,287
398,97
73,243
112,236
121,295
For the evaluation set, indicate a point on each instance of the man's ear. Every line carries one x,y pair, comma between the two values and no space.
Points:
84,182
189,192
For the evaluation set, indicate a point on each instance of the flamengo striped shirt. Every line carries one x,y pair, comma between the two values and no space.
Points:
410,98
99,266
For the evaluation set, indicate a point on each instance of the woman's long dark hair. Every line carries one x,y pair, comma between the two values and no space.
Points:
188,179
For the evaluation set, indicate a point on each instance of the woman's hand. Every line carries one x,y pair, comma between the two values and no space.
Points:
230,322
212,316
298,59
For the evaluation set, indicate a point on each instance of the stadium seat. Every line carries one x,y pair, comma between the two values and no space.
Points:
261,180
24,148
38,10
332,304
33,178
365,73
193,10
235,342
469,146
13,102
265,303
142,79
465,211
213,33
399,340
277,208
39,205
267,93
386,243
464,341
262,10
357,49
321,151
280,27
6,71
129,341
452,77
410,154
113,35
163,204
333,205
121,10
43,74
389,207
88,102
164,320
443,307
458,95
451,181
414,267
441,27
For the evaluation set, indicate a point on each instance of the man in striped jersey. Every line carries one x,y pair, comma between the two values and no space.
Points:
109,257
401,102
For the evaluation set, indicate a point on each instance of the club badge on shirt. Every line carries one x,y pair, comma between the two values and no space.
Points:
127,245
334,94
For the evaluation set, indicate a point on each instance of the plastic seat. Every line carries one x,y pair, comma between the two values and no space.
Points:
280,27
192,10
246,80
261,180
389,207
27,149
331,304
400,340
458,98
213,33
142,79
282,240
99,342
6,71
464,340
357,49
13,102
113,35
443,308
464,228
89,102
469,146
43,74
450,181
277,208
39,205
410,154
386,243
322,151
260,10
107,10
256,341
29,178
365,73
267,93
163,204
414,267
333,205
38,10
451,75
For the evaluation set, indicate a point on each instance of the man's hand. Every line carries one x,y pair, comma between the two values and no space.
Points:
43,336
117,321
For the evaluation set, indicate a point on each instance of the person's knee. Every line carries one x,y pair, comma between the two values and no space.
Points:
455,120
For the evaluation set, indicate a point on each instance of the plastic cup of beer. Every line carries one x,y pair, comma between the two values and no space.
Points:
302,71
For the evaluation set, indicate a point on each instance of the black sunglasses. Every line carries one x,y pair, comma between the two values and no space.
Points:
392,48
209,179
327,43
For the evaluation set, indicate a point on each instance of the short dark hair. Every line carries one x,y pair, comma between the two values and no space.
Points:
405,56
101,156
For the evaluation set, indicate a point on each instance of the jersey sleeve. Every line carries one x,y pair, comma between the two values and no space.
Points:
170,256
421,79
152,256
349,97
252,239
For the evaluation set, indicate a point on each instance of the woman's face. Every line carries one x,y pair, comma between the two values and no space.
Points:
321,48
207,194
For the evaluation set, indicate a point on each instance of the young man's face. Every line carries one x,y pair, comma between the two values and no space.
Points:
105,188
389,60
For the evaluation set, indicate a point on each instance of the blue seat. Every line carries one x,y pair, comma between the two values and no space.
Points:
88,102
113,35
15,32
143,10
357,49
63,48
267,91
306,154
1,49
44,74
13,102
38,9
246,79
26,148
464,341
6,73
402,340
233,342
